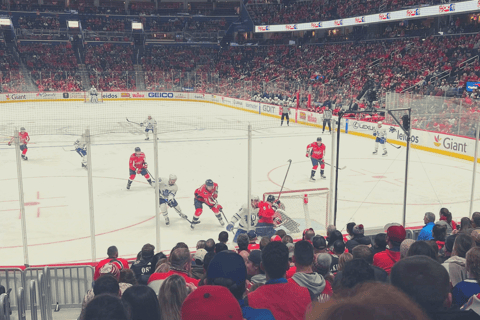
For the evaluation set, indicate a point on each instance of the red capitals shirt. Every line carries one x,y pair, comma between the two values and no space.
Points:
24,137
136,162
266,212
316,151
203,195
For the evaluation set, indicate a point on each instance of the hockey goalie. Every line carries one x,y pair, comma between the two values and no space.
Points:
93,95
272,215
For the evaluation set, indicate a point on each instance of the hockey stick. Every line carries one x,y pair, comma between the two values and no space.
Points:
328,164
396,147
286,174
179,212
134,122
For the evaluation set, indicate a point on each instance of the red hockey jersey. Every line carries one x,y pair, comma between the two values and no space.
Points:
203,195
266,212
316,151
137,162
24,137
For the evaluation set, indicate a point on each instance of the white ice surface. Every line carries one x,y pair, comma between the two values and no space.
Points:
56,196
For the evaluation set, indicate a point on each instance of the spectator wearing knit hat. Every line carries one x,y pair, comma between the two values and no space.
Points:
180,263
427,283
112,253
287,301
358,238
211,303
386,259
227,269
405,246
426,232
455,265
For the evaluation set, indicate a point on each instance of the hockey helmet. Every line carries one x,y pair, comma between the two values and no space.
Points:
149,117
171,178
22,129
137,149
379,124
209,183
254,198
270,198
319,139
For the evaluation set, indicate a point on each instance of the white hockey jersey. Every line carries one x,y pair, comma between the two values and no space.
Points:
380,133
93,91
80,143
149,123
166,190
242,216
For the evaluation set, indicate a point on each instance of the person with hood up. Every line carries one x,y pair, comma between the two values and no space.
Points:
305,276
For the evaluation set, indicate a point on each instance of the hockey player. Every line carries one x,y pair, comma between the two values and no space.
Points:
24,139
168,189
149,124
93,95
137,164
266,216
242,216
316,151
381,138
207,194
327,118
285,112
81,148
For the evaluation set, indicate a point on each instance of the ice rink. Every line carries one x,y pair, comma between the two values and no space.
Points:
199,141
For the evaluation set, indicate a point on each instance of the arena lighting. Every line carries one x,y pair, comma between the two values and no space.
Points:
137,26
73,24
5,22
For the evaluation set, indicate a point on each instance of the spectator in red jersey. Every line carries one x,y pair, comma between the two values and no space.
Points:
358,238
386,259
112,253
304,275
180,263
252,237
287,301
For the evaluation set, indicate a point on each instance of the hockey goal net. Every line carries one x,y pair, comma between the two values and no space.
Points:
308,207
87,97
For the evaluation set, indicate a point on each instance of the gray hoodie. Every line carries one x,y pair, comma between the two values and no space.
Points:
456,269
314,282
259,278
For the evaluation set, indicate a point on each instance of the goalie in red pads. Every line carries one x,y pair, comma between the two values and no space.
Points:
137,164
316,151
207,194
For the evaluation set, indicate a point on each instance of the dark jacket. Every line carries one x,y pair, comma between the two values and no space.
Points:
357,240
454,314
379,274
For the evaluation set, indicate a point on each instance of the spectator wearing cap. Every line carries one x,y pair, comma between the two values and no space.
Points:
211,303
358,238
379,243
223,238
197,268
427,283
287,301
112,253
319,245
470,286
227,269
386,259
252,237
304,275
455,265
426,232
255,273
145,266
276,238
337,250
180,263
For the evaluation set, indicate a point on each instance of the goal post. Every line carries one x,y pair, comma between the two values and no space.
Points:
307,207
86,96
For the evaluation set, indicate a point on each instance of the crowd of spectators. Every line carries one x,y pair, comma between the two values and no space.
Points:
11,80
52,67
110,66
103,23
329,276
273,12
39,22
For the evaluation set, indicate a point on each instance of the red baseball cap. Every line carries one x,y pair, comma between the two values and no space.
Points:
275,238
211,303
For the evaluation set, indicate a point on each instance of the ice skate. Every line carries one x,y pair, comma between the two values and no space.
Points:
384,153
24,157
147,138
312,179
219,217
129,183
167,221
375,152
151,182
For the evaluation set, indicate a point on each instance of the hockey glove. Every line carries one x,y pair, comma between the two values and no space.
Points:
171,203
9,143
277,221
139,170
383,140
322,162
141,124
229,227
145,165
374,134
307,155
